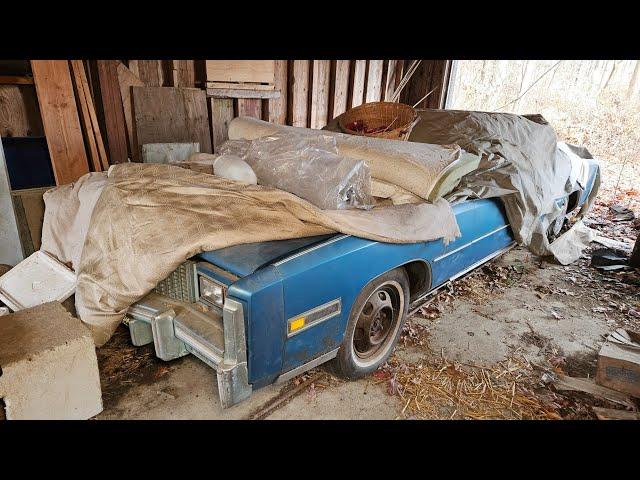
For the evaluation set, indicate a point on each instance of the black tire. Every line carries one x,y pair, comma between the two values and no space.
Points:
354,360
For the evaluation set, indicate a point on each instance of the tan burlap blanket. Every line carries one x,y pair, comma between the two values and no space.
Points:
149,218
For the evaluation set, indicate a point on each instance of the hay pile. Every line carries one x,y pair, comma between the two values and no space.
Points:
448,390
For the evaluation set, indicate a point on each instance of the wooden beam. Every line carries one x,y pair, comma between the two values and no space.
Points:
150,72
430,75
60,119
181,73
15,80
239,93
111,102
392,78
320,93
358,79
278,105
85,117
374,80
339,91
299,92
221,114
126,80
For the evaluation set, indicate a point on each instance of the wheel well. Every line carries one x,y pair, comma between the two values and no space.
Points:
572,201
419,273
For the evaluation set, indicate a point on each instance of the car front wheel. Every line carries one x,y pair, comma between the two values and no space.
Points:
375,323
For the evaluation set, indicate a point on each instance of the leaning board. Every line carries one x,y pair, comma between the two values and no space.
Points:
170,115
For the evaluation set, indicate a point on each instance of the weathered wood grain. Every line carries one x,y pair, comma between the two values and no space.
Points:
60,119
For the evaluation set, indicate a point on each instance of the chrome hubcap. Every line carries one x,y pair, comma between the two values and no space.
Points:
377,321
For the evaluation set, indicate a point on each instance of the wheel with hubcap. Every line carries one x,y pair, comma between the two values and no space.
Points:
375,323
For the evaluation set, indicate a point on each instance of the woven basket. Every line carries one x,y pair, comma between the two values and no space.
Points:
380,119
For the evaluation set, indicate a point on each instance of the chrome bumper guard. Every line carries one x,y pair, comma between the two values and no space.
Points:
178,328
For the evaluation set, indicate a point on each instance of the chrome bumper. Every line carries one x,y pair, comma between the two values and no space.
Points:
177,328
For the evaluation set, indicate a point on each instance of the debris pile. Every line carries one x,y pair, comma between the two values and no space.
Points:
451,390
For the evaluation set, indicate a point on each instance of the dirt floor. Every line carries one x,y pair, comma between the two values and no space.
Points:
478,350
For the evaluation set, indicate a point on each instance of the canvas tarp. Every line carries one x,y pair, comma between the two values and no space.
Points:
149,218
523,164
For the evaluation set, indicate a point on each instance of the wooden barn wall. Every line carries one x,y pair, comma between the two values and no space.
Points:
312,92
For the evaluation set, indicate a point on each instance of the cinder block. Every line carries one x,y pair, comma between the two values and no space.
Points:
49,368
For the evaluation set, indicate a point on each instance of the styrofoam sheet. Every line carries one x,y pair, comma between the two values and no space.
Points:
38,279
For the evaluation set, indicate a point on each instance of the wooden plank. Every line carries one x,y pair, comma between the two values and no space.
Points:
299,92
430,75
184,74
114,121
249,107
613,414
19,113
133,66
278,105
150,72
15,80
392,79
374,80
126,80
60,119
254,71
339,88
221,116
358,78
104,159
170,115
85,117
243,86
233,93
320,93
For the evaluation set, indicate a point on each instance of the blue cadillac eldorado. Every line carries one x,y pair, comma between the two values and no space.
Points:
266,312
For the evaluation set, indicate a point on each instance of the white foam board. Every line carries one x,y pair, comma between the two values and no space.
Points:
38,279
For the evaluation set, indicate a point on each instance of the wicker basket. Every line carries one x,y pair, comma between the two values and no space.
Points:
380,119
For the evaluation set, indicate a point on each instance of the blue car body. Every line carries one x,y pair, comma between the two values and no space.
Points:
280,280
269,284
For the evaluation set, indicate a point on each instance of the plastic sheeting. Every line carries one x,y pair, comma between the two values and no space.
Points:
309,167
414,167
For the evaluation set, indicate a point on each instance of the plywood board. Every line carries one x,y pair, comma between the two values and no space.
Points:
60,119
252,71
126,80
298,92
250,107
168,114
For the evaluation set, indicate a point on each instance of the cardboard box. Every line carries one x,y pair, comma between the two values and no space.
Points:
619,365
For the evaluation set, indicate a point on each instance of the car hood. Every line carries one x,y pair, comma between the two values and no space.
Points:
243,260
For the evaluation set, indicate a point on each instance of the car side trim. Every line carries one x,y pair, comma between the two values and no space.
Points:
311,249
307,366
441,257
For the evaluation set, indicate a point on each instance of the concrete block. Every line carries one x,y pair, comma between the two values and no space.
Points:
49,368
